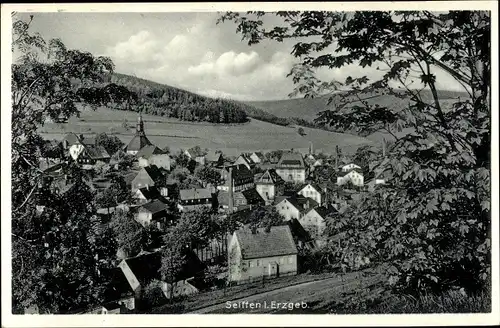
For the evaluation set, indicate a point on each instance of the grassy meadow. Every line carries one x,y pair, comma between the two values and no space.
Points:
231,139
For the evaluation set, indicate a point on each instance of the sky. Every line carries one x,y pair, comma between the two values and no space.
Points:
189,51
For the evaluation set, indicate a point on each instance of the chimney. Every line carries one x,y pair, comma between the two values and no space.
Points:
230,191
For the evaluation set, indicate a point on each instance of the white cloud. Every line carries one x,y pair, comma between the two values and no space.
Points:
138,48
227,64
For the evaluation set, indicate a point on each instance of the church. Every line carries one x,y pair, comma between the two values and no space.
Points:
140,140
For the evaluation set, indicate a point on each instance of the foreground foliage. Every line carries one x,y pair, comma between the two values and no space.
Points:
432,220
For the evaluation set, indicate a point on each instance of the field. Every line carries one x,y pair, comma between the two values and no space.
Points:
231,139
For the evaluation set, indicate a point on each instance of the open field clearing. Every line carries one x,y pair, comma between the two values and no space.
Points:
231,139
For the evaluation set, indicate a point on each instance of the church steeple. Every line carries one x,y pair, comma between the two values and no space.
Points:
140,125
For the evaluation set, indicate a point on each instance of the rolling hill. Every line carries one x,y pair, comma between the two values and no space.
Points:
308,108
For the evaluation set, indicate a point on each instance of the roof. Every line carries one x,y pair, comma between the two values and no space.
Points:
145,267
270,177
324,211
259,155
298,230
341,174
138,142
88,140
239,172
150,192
148,151
129,177
290,159
196,152
299,202
246,158
195,193
312,184
71,138
277,242
96,152
252,196
155,206
154,172
212,156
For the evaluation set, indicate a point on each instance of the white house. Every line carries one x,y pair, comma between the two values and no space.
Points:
312,191
314,220
291,167
294,207
269,185
261,254
355,176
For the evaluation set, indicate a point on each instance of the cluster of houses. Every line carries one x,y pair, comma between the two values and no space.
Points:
251,180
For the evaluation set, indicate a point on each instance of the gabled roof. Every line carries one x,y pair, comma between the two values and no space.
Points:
155,206
246,158
212,156
252,196
195,193
291,160
154,173
324,211
138,142
150,193
270,177
71,138
298,230
96,152
196,152
240,172
312,184
258,154
342,174
88,140
148,151
299,202
277,242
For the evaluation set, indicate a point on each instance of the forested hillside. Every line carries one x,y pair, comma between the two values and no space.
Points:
163,100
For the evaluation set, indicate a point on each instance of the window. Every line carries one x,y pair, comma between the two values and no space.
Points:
258,262
290,260
251,264
282,260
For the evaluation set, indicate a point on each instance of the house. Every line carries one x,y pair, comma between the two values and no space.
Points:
354,176
269,185
144,269
262,253
147,194
314,220
291,167
152,155
154,212
313,191
349,167
196,154
149,176
190,199
242,178
301,236
118,295
244,159
241,199
69,140
188,280
214,158
139,140
85,151
294,207
257,157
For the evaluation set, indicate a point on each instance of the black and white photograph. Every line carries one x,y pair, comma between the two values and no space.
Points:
310,162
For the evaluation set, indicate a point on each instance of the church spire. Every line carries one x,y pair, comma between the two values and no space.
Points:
140,125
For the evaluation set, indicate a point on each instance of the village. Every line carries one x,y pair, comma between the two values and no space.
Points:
295,192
